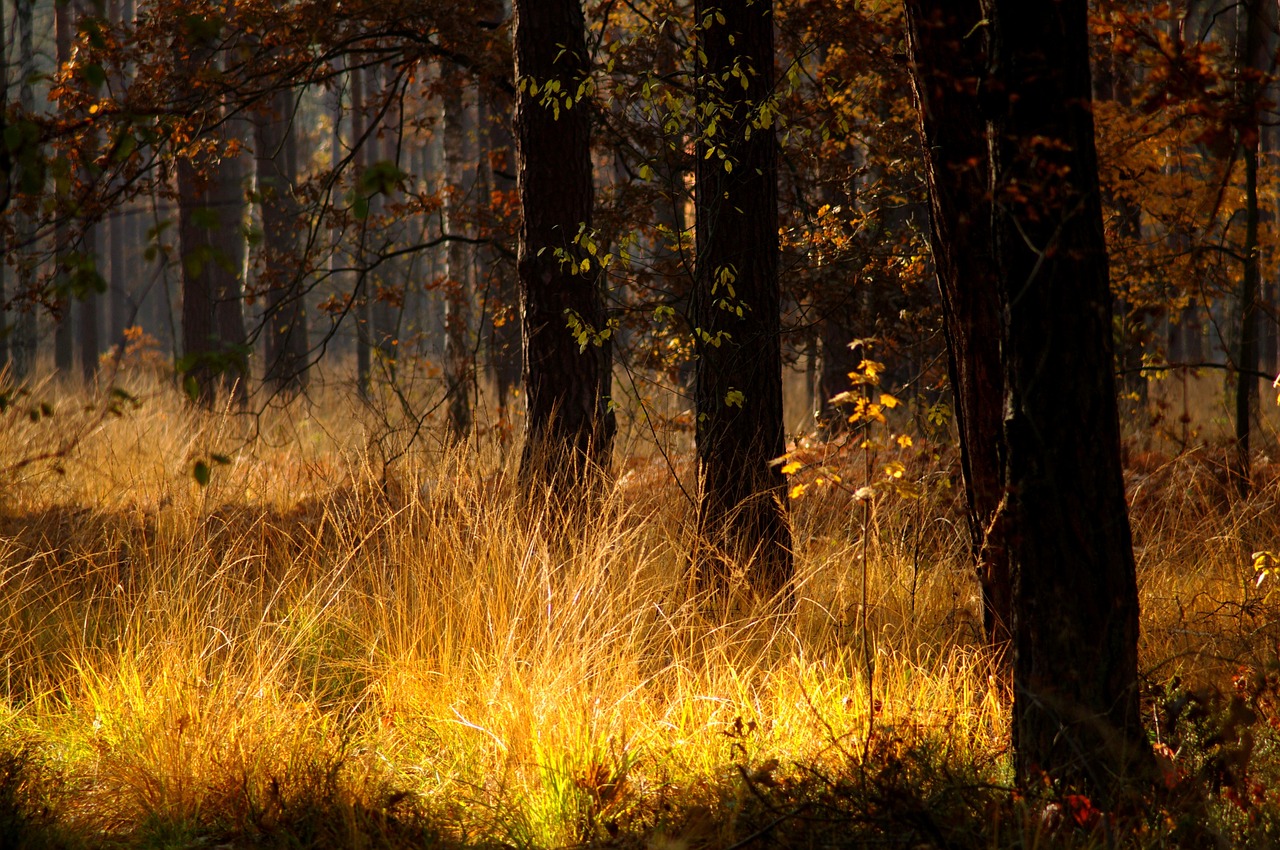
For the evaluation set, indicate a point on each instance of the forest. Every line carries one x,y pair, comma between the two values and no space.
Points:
666,424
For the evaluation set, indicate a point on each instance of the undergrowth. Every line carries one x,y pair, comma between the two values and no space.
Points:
341,641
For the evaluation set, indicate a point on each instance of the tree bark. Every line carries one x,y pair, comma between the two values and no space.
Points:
569,426
279,265
500,303
1075,599
25,330
211,253
200,342
63,334
227,197
361,291
87,311
459,365
1256,55
736,305
947,52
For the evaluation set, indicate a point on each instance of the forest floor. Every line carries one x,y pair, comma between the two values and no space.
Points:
350,636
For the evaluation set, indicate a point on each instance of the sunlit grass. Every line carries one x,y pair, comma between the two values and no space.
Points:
327,646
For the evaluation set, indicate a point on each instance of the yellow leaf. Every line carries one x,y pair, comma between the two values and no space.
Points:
796,491
888,401
904,440
792,468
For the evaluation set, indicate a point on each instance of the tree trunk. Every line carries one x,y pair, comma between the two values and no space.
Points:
500,298
200,343
227,197
87,308
459,363
279,265
361,291
63,334
1075,599
947,63
569,426
1256,54
25,330
211,253
7,300
387,308
736,305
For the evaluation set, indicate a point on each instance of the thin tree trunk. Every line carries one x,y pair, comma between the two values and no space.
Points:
500,297
279,264
947,62
569,425
1075,598
200,343
388,306
1256,55
227,197
459,366
63,336
87,308
7,300
362,290
25,330
211,252
742,508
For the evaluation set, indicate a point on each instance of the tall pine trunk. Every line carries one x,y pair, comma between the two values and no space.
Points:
362,291
947,63
63,334
1256,62
459,365
569,426
211,247
1075,598
499,296
279,263
25,330
736,305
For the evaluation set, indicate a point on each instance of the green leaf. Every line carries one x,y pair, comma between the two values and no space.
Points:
200,472
94,75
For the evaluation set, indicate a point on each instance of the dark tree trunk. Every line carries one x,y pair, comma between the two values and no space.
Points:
200,342
1256,54
7,300
227,197
388,307
63,334
120,314
1247,353
459,362
1075,599
736,309
947,60
87,310
211,254
25,331
500,303
569,426
363,292
279,266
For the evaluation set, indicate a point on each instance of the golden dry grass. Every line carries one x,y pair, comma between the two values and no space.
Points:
323,647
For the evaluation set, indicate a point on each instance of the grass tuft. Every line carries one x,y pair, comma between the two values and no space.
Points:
339,643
